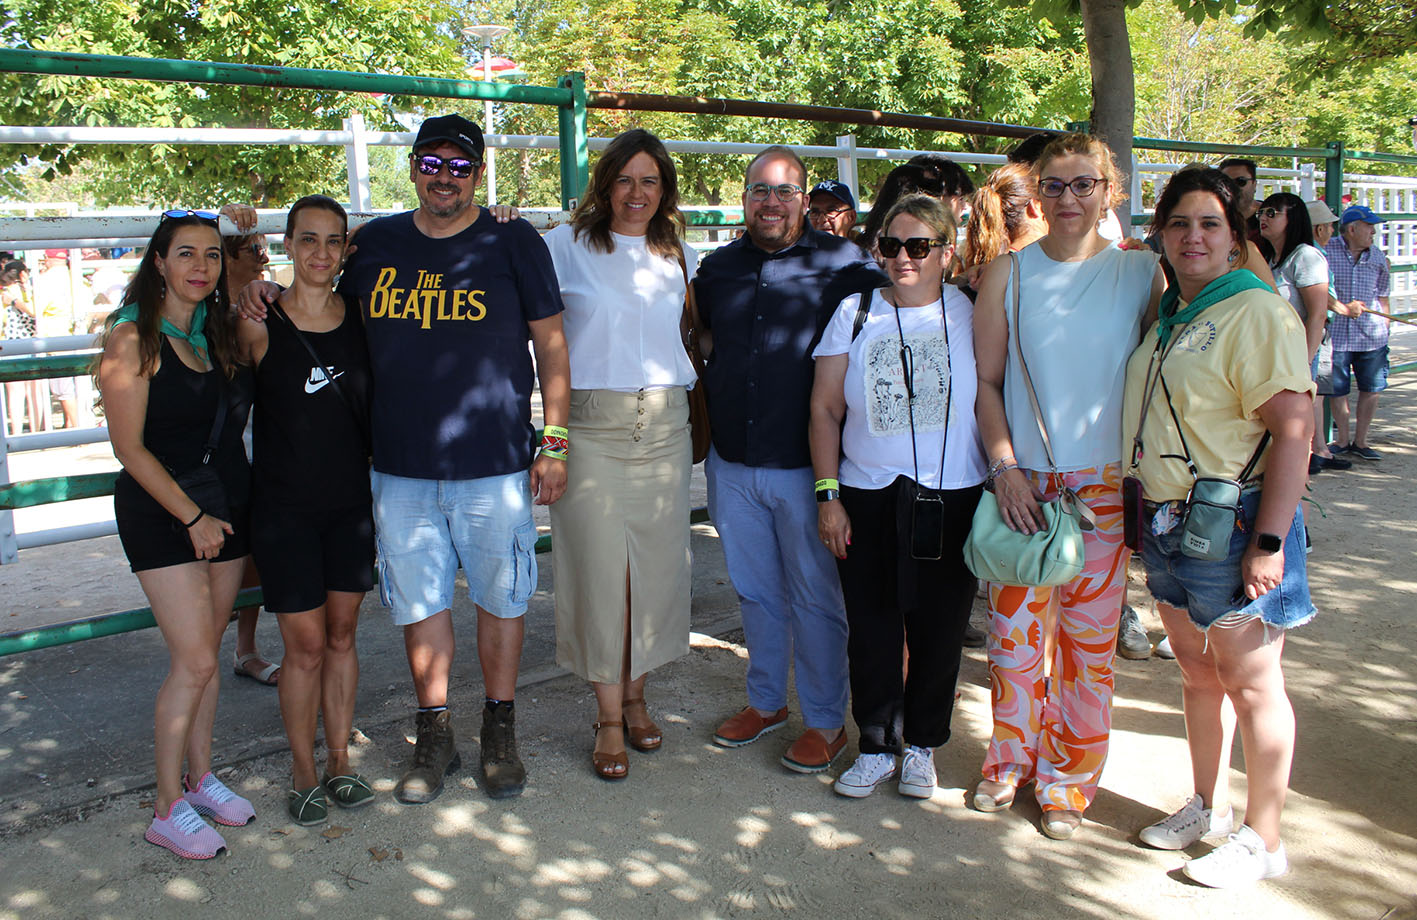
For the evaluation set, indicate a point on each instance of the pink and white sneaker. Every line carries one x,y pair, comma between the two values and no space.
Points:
213,799
185,833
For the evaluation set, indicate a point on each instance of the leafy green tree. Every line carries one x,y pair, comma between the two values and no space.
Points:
376,36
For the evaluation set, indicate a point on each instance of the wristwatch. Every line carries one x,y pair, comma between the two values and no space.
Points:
828,495
1268,542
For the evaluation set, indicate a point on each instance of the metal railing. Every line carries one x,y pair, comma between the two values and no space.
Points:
570,98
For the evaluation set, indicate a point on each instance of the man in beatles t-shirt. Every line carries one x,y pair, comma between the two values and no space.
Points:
450,296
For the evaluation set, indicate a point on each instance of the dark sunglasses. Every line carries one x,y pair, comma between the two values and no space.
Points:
1271,213
429,164
917,247
178,213
258,252
1241,181
1082,186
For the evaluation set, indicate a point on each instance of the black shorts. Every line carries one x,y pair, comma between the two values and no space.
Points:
154,539
302,554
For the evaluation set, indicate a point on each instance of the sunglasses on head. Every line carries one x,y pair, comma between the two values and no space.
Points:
429,164
1271,213
917,247
178,213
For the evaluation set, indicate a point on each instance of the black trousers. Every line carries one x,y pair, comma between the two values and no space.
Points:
893,601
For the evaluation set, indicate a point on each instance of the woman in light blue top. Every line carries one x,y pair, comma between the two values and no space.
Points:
1081,302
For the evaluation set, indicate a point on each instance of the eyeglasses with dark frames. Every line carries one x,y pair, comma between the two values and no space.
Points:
823,214
917,247
431,164
786,192
1271,213
1082,186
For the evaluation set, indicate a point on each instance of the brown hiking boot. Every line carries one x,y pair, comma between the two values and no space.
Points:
502,769
434,756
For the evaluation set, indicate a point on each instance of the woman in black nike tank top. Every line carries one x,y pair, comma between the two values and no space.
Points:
312,525
168,376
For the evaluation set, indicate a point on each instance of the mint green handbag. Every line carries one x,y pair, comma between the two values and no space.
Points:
1053,556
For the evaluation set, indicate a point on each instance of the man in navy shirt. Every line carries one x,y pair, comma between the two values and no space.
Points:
450,295
763,302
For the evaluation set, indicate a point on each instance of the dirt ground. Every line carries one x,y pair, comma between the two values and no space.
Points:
700,831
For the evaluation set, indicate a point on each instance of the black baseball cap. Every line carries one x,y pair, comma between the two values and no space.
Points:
455,130
837,190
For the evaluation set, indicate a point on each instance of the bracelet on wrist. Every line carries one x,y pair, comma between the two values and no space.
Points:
200,514
823,484
555,442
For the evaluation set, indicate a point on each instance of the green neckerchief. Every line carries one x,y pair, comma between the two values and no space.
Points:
1227,285
196,336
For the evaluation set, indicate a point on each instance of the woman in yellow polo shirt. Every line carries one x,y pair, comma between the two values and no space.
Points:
1219,406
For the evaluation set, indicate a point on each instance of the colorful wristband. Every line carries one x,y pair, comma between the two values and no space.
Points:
555,431
824,484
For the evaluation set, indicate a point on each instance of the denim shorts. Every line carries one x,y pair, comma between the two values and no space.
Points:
1207,590
425,528
1369,370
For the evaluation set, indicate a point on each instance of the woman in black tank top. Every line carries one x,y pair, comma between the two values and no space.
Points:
311,517
168,377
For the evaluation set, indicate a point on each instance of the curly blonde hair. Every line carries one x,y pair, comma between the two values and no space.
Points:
1094,149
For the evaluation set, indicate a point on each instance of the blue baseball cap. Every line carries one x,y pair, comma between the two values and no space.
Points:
1359,212
837,190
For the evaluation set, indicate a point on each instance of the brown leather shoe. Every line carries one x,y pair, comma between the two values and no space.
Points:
748,726
812,752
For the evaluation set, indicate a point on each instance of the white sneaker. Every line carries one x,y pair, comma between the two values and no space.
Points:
1192,823
1243,860
1163,649
869,771
917,772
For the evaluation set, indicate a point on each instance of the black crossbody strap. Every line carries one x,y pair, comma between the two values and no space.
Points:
214,437
1190,464
339,390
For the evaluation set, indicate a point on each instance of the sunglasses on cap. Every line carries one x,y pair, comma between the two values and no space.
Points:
430,164
178,213
917,247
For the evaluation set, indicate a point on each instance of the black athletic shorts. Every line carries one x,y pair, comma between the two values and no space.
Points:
154,539
302,554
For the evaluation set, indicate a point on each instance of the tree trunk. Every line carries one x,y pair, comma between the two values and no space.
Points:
1109,51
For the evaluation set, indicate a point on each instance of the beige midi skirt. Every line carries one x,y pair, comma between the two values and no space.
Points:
626,508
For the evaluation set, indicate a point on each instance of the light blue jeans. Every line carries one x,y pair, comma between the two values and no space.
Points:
787,587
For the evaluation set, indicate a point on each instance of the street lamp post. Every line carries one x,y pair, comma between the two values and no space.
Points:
487,34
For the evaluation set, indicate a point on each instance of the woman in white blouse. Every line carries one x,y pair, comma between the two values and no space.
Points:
621,531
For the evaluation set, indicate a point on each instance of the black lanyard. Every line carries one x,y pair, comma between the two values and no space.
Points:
907,369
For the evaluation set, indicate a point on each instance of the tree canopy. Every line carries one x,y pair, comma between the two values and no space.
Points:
1205,70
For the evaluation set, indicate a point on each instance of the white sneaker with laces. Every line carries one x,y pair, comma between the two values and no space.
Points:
862,778
1242,860
917,772
1192,823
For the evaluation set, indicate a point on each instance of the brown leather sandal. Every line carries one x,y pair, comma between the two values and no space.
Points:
645,739
605,764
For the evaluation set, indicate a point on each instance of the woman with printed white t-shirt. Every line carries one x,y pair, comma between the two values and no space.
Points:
622,529
903,383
